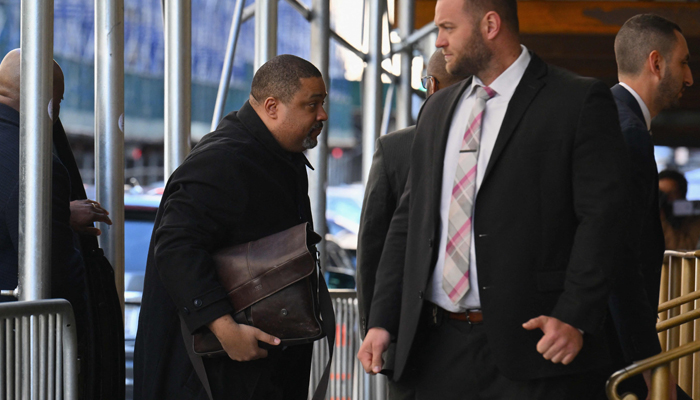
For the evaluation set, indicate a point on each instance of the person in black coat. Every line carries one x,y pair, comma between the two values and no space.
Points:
652,58
242,182
67,268
386,182
549,216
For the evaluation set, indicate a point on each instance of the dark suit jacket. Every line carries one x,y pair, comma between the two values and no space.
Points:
386,182
237,185
549,217
636,293
67,270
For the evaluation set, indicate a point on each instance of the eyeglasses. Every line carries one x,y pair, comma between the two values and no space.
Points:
428,80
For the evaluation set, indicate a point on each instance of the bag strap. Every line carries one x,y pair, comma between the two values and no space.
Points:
196,360
326,306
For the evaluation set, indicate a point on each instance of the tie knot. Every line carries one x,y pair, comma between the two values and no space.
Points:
484,92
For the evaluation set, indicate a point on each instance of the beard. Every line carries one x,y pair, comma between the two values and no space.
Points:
669,90
474,58
309,141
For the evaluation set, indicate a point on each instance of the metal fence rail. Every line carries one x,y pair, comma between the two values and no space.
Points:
348,381
38,351
679,278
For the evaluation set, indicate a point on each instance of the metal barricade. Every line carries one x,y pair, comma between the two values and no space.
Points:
679,278
348,381
38,350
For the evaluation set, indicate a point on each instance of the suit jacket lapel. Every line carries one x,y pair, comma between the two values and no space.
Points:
527,90
444,122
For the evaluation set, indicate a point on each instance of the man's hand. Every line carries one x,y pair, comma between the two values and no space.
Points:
83,213
370,355
672,393
241,341
561,342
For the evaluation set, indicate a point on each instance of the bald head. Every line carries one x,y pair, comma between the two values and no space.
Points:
9,79
10,83
436,68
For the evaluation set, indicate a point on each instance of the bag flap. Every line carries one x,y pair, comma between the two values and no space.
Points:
252,271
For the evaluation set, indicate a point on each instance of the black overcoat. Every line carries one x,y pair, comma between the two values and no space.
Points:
237,185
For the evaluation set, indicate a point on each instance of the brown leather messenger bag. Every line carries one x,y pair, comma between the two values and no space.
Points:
275,285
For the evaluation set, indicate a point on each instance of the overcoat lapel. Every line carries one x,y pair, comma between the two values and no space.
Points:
527,90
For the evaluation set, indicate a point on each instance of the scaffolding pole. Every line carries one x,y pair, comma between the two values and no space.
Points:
320,45
228,64
372,87
404,92
178,82
265,31
109,130
35,130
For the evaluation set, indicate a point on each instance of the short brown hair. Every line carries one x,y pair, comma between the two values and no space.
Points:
280,78
506,9
641,35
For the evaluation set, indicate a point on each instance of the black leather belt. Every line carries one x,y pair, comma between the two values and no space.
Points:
473,317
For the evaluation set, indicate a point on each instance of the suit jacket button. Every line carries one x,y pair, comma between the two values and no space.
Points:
430,243
186,311
197,303
420,294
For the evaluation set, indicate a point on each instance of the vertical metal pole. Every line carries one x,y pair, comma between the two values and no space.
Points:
109,130
228,64
404,93
318,179
35,130
372,84
265,31
685,370
178,82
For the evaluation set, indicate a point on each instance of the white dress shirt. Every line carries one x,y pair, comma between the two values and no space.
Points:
642,105
494,112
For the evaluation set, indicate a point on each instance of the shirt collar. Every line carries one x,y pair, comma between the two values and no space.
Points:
645,109
505,84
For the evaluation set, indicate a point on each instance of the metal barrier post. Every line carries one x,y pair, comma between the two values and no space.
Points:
696,357
659,384
109,130
663,297
685,373
372,87
35,164
178,82
265,31
675,291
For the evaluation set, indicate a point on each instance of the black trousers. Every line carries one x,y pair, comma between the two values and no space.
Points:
452,360
282,375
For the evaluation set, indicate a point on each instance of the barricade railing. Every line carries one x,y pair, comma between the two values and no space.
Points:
679,323
38,350
348,381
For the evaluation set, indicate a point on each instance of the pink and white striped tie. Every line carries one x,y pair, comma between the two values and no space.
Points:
455,275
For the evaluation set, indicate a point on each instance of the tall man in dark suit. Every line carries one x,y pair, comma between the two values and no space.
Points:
242,182
538,152
386,182
652,58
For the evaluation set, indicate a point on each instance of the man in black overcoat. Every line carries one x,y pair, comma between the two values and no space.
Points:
652,57
548,216
242,182
67,267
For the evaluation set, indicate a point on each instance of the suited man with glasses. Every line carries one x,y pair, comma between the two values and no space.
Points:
385,184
